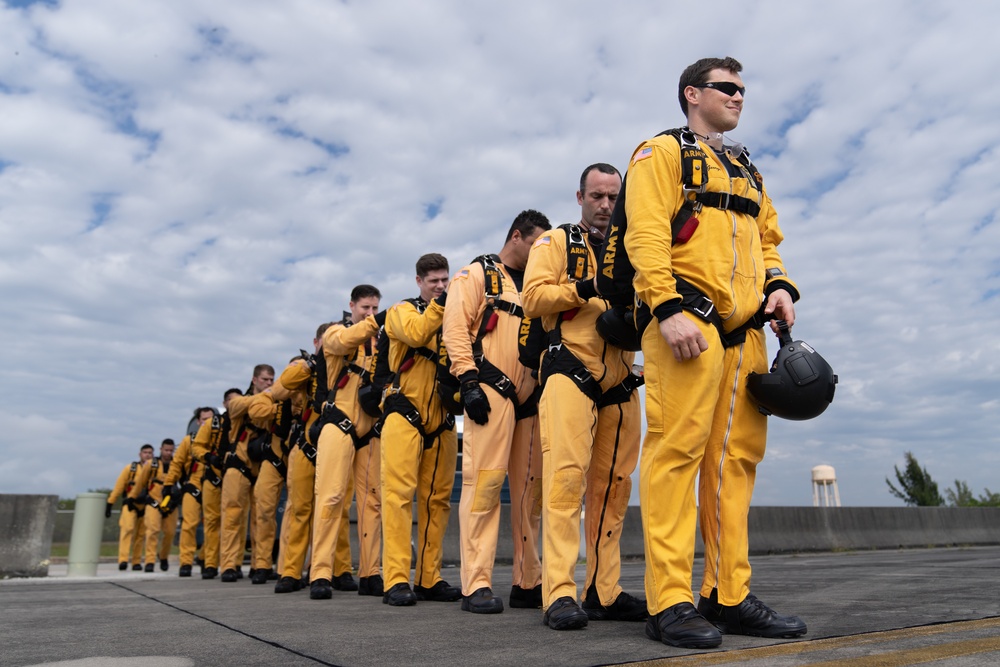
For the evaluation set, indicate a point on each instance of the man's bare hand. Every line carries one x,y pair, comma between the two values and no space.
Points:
780,303
683,336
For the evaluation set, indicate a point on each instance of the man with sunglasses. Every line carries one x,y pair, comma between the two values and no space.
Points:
703,236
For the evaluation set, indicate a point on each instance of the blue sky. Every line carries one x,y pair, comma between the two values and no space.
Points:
187,190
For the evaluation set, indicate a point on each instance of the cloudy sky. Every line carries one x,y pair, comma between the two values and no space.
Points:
188,189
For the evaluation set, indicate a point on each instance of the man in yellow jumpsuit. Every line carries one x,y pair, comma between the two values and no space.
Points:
210,443
131,528
187,470
148,489
709,287
298,383
241,473
273,414
348,449
589,416
482,322
419,444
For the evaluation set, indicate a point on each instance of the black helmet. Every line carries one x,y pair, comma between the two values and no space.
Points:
617,326
800,385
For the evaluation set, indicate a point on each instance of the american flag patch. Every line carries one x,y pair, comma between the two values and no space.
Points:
464,273
643,154
542,240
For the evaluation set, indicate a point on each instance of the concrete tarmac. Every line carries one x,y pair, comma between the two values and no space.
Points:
879,608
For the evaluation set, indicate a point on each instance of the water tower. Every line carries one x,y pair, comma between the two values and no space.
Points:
824,483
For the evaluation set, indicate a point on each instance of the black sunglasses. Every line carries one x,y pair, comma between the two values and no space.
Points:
725,87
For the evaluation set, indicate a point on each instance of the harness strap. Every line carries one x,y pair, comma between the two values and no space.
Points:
401,405
560,361
621,392
695,302
211,476
236,462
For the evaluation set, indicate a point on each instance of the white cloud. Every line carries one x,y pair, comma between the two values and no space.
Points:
188,190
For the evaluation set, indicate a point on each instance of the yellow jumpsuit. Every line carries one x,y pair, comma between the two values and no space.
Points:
131,526
150,479
588,452
297,383
237,492
185,468
338,461
263,411
504,446
207,441
711,426
408,467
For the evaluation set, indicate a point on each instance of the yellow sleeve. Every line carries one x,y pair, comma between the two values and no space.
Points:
238,406
180,462
261,408
142,478
297,374
547,289
653,196
412,328
202,441
770,238
120,484
463,313
340,340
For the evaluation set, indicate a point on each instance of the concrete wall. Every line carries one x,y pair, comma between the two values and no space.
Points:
26,523
772,529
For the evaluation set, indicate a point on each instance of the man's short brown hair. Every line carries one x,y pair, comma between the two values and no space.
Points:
431,262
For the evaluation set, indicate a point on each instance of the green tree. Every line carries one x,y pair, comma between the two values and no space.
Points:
915,485
961,496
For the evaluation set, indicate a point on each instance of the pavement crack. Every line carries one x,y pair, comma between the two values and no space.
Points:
276,645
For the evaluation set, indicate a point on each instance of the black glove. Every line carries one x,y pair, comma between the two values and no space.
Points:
441,299
477,406
380,317
213,460
585,289
107,510
168,491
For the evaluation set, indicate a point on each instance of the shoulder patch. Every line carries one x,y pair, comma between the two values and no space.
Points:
642,154
542,240
464,273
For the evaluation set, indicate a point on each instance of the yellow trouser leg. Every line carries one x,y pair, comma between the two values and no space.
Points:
297,524
568,421
485,456
609,485
342,554
436,479
211,508
335,455
267,493
728,471
139,540
169,528
680,403
368,500
525,474
235,508
190,518
154,527
401,450
126,533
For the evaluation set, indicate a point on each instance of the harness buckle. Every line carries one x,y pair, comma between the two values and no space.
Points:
555,348
503,384
703,309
